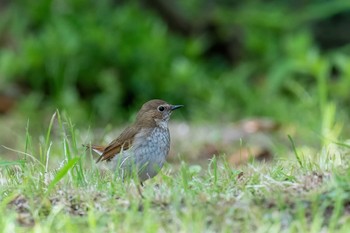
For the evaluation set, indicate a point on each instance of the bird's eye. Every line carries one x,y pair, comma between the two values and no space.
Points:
161,108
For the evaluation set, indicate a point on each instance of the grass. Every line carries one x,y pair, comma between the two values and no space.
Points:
62,190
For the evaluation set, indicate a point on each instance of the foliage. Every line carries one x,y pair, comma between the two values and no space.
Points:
109,57
100,60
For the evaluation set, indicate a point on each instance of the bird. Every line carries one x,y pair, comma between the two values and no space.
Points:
142,148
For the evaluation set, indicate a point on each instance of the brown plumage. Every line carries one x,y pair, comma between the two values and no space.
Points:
123,142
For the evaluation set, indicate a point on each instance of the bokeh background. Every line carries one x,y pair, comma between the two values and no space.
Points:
286,62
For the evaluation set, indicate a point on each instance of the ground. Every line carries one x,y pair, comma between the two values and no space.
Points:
63,190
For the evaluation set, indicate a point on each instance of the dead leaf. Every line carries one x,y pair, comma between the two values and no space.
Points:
6,103
245,154
21,206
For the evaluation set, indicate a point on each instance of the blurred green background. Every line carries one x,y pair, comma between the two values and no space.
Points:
224,60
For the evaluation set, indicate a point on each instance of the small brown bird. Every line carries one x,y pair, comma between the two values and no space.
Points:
142,147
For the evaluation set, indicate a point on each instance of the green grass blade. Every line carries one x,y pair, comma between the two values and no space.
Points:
11,163
28,143
296,152
62,173
48,133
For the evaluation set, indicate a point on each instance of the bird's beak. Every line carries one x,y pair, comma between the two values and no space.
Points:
173,107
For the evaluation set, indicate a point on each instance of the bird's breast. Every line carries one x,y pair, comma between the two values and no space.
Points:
153,144
148,153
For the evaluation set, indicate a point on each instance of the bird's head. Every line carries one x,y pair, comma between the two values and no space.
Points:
155,113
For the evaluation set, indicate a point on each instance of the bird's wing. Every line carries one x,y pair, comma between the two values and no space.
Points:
123,142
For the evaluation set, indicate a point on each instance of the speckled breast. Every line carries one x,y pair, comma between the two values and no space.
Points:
147,155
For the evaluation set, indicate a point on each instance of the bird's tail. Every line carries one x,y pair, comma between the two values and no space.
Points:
98,149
